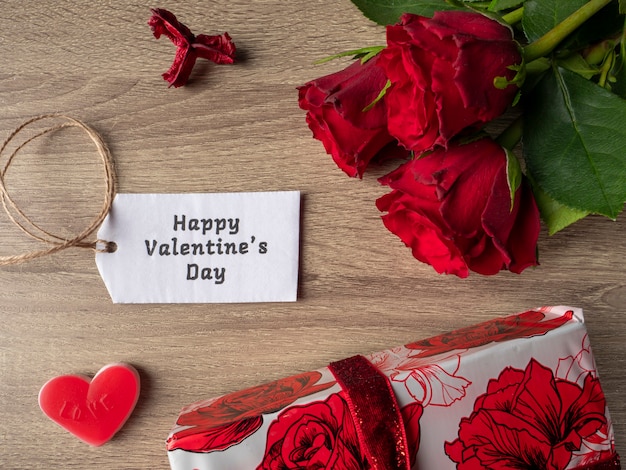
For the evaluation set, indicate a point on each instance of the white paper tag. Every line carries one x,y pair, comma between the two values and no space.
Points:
202,248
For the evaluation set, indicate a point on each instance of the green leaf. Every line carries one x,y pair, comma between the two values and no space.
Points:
540,16
574,143
365,53
577,64
622,6
386,12
513,174
499,5
379,97
555,215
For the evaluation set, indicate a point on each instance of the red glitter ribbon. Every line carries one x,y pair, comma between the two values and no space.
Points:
375,411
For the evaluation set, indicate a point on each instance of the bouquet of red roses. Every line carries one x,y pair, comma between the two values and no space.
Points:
463,200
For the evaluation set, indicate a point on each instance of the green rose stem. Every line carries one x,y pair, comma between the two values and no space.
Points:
605,70
514,16
546,43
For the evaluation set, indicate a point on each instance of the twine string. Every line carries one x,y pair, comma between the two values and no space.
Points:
30,228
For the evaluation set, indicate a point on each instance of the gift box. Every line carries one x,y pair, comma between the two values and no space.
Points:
518,392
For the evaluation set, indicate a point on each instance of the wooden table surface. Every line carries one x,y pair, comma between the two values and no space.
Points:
233,128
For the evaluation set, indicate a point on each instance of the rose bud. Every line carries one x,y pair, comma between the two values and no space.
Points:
442,73
340,114
455,211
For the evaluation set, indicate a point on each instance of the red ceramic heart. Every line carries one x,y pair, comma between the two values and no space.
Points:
93,410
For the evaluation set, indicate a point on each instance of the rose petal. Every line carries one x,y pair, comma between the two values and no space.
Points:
180,70
164,22
219,49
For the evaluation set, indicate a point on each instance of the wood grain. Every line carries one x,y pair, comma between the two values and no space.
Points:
233,128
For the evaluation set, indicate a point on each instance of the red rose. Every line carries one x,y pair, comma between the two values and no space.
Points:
453,209
319,435
528,419
336,114
442,72
222,422
523,325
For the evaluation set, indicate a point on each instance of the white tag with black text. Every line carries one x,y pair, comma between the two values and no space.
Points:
202,248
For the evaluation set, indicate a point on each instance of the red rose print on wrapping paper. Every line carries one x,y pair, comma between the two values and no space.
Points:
336,114
453,209
523,325
322,435
426,382
529,419
218,49
318,435
225,421
576,368
411,415
442,72
596,449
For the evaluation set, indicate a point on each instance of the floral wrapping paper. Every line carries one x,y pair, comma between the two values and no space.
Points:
515,392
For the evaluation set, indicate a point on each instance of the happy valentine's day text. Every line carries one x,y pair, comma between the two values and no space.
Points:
218,227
